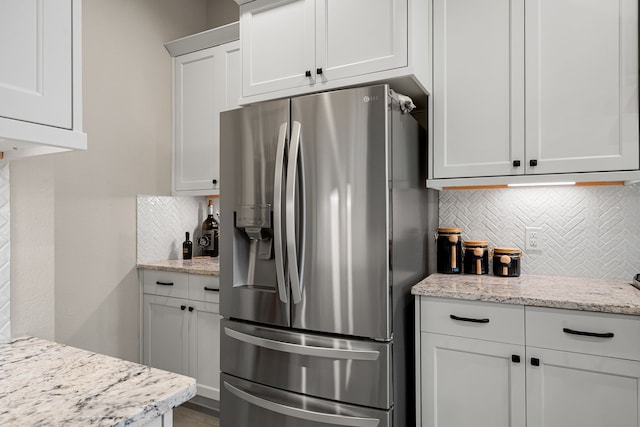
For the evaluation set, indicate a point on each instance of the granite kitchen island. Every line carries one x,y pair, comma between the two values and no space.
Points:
43,383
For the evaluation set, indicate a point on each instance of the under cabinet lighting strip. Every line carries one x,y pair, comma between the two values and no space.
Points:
537,184
541,184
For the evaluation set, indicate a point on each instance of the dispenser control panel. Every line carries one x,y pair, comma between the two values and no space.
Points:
255,216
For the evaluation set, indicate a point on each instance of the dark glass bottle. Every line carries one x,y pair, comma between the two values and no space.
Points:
210,230
187,247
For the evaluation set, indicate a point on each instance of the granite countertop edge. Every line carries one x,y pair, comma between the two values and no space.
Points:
572,293
69,385
201,265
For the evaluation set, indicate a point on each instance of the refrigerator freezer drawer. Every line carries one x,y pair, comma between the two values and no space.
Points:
246,404
340,369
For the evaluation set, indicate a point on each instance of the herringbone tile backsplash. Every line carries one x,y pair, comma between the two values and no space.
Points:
162,222
5,253
587,231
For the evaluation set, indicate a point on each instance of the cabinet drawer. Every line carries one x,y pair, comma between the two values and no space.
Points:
601,334
166,283
204,288
473,319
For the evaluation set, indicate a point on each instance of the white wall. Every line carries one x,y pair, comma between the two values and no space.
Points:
221,12
81,206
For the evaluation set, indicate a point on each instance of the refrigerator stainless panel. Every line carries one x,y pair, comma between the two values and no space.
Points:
325,227
342,206
252,146
249,404
346,370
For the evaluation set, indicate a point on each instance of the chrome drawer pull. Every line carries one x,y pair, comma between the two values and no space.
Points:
588,334
303,414
304,350
468,319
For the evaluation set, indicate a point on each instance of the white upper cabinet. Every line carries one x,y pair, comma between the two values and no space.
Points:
207,82
36,82
40,77
291,47
278,45
534,87
478,92
582,85
347,46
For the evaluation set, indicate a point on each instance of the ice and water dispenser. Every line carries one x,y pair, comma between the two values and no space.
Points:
254,235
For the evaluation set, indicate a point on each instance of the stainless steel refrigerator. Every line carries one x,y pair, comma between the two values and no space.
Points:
324,229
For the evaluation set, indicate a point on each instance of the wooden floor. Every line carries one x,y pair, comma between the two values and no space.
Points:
190,415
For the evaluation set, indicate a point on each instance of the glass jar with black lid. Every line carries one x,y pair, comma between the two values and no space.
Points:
476,256
506,262
449,248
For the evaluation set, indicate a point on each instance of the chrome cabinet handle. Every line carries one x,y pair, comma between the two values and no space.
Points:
277,215
292,253
304,350
304,414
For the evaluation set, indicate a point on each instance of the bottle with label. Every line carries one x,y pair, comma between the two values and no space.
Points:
210,229
187,247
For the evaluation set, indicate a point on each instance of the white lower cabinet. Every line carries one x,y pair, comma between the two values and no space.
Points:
574,368
182,335
204,354
583,369
573,389
166,338
469,382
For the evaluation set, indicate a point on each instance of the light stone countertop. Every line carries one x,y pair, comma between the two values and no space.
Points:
198,265
43,383
607,296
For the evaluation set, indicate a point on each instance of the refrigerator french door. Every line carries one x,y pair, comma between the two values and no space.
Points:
323,231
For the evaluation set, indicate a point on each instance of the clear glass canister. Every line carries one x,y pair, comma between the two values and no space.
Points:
506,262
476,256
449,248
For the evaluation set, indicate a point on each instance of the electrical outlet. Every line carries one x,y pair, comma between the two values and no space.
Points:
533,238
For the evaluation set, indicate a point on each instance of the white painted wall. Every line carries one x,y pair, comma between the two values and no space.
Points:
74,223
222,12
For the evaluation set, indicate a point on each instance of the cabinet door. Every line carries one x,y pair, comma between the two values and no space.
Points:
478,88
359,37
582,85
206,83
278,45
204,336
573,389
468,382
35,47
165,333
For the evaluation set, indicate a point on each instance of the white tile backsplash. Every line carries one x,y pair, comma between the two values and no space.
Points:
5,253
162,222
587,231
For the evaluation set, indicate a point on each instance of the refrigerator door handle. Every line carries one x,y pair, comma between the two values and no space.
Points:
277,214
319,417
304,350
292,253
